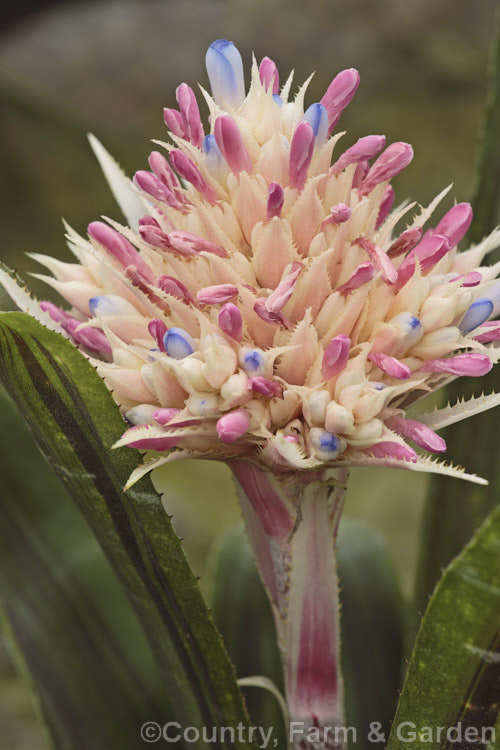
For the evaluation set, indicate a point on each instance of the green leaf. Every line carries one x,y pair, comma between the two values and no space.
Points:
75,420
454,672
243,615
371,628
74,633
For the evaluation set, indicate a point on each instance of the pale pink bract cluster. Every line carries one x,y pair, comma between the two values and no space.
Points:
263,303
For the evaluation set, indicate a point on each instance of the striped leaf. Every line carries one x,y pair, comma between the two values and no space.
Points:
74,420
454,673
73,631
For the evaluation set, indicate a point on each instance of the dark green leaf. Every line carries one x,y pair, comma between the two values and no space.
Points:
454,672
371,628
75,420
80,645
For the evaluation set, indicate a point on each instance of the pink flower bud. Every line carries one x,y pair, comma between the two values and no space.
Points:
228,138
380,260
338,95
455,223
164,416
362,169
155,236
56,313
274,318
391,366
471,364
264,386
278,299
395,158
232,426
335,356
230,321
389,449
363,273
418,432
217,294
190,114
470,279
405,242
490,331
275,200
301,153
158,329
339,213
119,247
188,243
268,74
385,205
173,121
162,169
186,167
175,288
429,251
364,148
154,187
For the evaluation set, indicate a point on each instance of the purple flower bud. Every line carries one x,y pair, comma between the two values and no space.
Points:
278,299
301,153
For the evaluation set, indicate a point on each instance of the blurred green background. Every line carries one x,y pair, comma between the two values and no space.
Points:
110,67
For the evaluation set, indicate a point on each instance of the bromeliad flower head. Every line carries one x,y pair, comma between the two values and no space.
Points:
264,302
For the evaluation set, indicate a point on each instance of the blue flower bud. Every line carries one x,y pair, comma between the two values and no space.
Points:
213,156
278,100
225,73
252,361
178,343
410,328
326,444
317,117
110,304
478,312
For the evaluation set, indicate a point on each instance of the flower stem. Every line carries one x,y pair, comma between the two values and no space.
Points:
292,527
